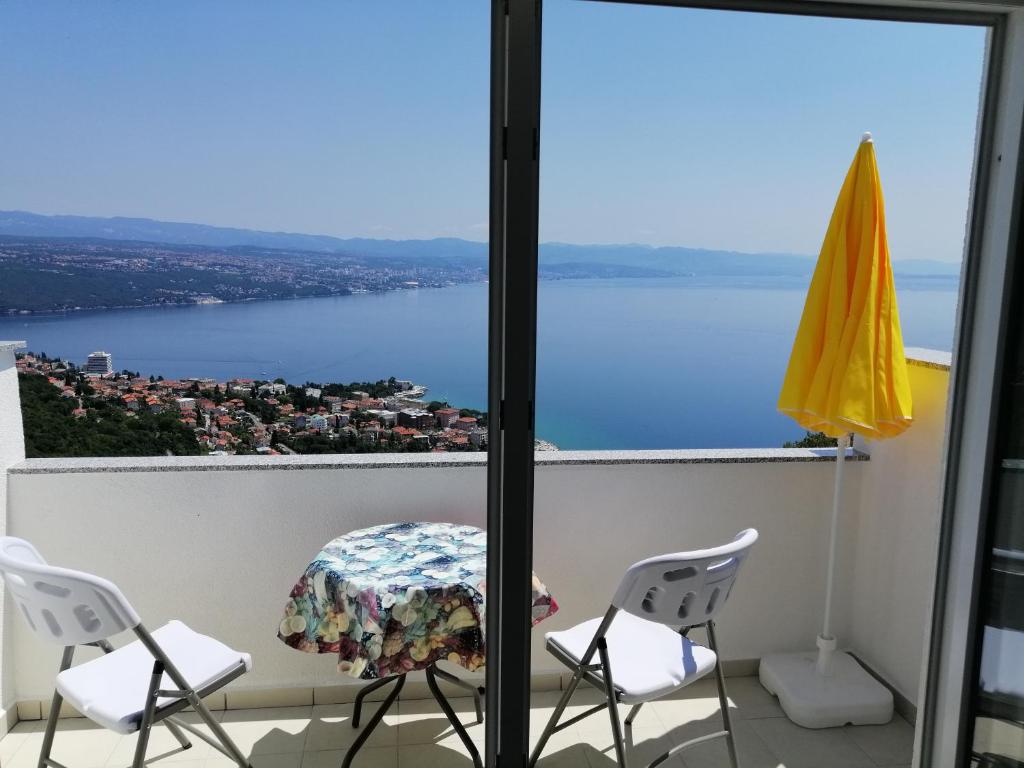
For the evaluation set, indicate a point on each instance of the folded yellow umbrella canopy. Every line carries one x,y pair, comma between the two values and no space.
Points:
847,372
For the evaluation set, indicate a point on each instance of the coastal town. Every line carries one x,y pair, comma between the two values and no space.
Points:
251,416
42,275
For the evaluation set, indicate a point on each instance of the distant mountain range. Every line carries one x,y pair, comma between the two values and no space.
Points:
557,259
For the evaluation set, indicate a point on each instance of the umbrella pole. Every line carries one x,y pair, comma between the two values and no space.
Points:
834,689
826,641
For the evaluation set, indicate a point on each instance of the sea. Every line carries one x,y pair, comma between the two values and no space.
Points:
622,363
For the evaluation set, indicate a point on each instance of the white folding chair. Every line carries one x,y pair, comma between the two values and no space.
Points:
642,640
129,689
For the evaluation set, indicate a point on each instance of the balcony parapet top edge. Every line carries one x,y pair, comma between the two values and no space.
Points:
929,358
419,461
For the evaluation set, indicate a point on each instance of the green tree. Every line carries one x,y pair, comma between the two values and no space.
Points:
812,440
480,416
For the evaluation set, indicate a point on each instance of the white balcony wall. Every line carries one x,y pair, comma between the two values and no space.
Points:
220,550
897,529
592,522
220,547
12,451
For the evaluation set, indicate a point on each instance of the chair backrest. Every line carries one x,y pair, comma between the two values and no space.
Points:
60,605
686,588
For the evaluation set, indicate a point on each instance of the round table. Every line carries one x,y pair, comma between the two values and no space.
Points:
396,598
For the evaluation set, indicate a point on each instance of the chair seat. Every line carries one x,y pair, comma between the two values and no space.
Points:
648,660
111,690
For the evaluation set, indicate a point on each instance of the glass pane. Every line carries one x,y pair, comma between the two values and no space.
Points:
268,224
686,184
233,233
690,163
999,697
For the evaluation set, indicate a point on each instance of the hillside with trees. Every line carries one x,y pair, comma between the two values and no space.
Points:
53,428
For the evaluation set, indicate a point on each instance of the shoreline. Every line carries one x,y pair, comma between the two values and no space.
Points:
10,314
916,283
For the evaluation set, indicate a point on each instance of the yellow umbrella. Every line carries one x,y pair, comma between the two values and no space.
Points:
847,373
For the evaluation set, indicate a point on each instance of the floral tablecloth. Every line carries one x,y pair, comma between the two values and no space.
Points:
395,598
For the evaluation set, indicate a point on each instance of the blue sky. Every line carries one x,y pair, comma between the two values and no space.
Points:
662,126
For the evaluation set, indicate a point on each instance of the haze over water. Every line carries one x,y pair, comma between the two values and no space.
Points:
625,363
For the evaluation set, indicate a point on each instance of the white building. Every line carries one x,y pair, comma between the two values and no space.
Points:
272,389
386,418
312,392
99,364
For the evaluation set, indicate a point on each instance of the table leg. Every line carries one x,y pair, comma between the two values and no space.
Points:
476,692
362,693
452,717
378,715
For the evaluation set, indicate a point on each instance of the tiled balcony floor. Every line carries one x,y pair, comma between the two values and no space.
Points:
416,735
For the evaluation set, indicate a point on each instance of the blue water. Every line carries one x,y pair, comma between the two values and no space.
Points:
631,363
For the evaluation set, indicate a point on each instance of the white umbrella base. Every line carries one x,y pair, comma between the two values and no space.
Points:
847,696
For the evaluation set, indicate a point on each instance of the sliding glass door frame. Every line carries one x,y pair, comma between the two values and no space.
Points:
987,583
993,249
993,227
515,137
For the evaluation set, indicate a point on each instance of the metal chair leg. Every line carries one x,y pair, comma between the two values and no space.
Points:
633,713
613,710
228,745
723,699
178,734
147,715
55,702
555,716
